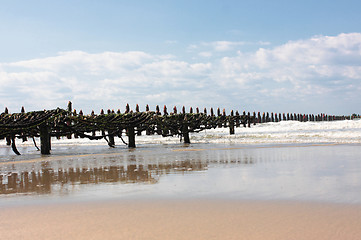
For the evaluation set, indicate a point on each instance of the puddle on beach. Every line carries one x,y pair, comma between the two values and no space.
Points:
326,173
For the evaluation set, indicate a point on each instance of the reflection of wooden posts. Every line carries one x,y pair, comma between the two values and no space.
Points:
185,130
44,139
131,137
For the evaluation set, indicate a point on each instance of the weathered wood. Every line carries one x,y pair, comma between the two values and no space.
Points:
131,137
249,119
13,146
185,130
231,123
44,139
64,122
23,111
8,139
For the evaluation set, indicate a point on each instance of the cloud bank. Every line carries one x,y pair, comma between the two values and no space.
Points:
322,73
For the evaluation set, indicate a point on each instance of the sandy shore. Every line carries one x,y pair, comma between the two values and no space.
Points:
197,219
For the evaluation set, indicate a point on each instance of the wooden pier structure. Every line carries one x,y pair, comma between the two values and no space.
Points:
67,123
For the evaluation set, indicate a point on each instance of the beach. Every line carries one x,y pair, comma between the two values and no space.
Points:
214,188
196,219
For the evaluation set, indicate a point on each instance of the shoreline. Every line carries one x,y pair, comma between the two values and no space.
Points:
182,219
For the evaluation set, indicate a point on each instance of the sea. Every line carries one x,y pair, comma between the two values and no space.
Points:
287,160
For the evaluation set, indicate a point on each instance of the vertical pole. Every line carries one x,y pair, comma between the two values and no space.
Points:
244,119
24,138
231,123
131,137
44,139
68,122
8,139
185,130
111,142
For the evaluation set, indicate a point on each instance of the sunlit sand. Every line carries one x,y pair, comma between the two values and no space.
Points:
197,219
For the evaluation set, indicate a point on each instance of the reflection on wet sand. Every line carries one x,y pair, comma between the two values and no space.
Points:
41,181
48,177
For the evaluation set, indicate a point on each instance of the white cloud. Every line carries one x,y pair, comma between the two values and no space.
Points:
205,54
306,71
222,46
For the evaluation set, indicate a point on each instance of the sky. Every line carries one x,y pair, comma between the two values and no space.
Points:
259,55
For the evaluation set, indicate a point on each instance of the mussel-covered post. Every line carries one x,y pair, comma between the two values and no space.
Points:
8,139
44,139
185,130
131,137
231,123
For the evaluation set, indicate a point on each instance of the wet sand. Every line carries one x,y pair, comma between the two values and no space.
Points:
197,192
196,219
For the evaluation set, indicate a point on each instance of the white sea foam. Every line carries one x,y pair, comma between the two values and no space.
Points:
346,131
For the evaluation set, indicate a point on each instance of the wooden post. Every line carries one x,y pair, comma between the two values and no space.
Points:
24,137
231,123
237,119
68,122
165,130
111,140
139,128
244,119
44,139
8,139
74,114
131,137
249,119
185,130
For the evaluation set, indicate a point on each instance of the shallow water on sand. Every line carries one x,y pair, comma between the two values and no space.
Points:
302,172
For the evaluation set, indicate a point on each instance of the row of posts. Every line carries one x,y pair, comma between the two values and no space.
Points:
45,132
274,117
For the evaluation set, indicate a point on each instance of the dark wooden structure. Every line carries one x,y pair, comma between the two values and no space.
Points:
67,123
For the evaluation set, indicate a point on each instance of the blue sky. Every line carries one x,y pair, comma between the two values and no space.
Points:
275,56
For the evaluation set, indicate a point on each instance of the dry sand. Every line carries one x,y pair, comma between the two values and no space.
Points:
197,219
